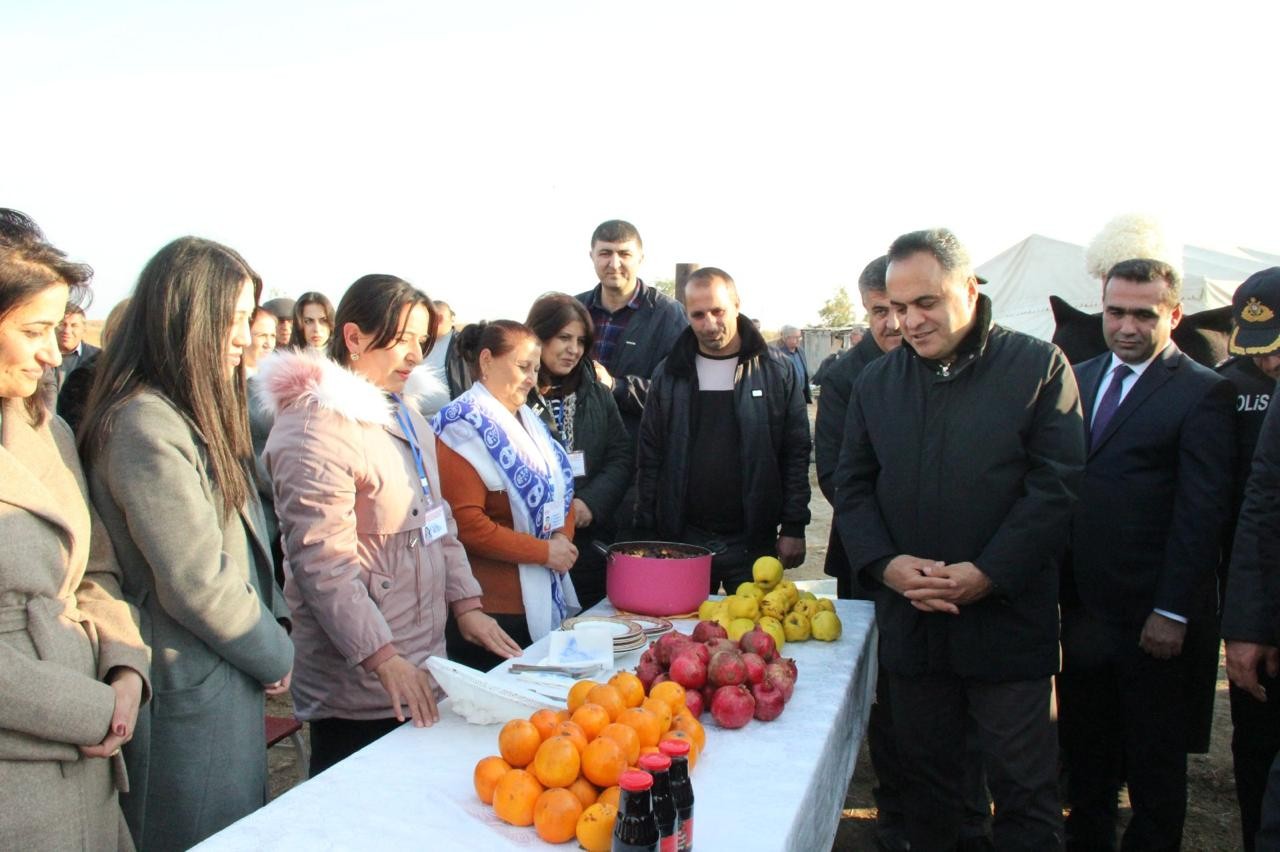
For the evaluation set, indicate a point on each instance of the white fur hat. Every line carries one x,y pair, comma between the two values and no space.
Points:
1130,236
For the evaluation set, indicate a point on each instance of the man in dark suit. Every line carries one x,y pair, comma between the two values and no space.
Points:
75,352
1140,581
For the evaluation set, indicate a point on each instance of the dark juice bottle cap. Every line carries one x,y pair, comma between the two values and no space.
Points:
674,748
655,763
635,780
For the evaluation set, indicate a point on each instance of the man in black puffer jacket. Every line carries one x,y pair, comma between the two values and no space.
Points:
723,459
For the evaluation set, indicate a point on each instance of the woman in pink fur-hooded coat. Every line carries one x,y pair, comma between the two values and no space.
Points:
372,558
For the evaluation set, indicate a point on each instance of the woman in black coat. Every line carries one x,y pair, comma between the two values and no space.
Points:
583,416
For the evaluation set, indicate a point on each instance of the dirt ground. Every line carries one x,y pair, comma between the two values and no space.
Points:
1213,821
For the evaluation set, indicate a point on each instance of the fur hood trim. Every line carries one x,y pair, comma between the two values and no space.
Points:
288,377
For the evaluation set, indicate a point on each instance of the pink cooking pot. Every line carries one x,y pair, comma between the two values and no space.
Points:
656,577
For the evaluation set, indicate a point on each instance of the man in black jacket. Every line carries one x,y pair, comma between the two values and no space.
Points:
961,456
883,336
1139,586
1253,662
833,403
635,324
723,460
1252,611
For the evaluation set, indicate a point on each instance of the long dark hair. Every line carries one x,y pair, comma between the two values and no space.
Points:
29,265
298,337
173,340
551,313
374,303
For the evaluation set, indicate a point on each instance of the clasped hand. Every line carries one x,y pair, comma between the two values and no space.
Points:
561,553
935,586
127,685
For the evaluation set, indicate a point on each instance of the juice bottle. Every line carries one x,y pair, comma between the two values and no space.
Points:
664,806
681,791
636,829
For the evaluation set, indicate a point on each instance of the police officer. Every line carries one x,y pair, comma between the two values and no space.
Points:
1254,369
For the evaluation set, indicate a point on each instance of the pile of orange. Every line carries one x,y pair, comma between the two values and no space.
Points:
558,770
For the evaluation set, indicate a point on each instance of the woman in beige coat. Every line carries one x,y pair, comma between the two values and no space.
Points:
72,665
373,561
166,443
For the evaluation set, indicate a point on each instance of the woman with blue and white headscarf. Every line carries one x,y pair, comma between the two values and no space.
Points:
510,485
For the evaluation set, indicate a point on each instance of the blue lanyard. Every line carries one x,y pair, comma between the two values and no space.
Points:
557,413
411,435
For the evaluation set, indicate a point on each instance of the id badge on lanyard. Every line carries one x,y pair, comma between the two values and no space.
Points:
552,517
434,525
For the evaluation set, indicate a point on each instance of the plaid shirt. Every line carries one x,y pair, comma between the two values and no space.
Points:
609,326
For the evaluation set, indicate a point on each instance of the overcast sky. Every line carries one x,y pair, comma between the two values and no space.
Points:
472,147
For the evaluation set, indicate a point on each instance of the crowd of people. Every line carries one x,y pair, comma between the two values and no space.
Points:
284,496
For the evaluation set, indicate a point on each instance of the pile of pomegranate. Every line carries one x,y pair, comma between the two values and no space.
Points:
735,681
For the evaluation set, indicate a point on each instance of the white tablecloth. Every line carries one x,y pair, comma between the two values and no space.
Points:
770,785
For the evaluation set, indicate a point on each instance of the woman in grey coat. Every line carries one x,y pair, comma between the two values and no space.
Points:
167,445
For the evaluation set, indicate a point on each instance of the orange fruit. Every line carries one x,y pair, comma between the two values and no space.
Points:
631,687
687,737
488,772
686,722
591,718
609,698
585,791
555,815
573,731
595,827
557,762
625,736
518,742
647,724
610,796
603,762
545,721
662,709
649,750
514,797
578,694
564,715
670,692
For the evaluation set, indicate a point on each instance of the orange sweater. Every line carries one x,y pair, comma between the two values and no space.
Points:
486,531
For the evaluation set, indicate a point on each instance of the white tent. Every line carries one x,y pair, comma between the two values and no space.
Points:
1021,279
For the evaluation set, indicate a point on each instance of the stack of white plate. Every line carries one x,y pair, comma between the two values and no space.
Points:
652,625
627,634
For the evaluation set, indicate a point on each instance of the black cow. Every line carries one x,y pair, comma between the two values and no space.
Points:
1202,336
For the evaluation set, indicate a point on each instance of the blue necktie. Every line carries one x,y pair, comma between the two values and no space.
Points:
1110,401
